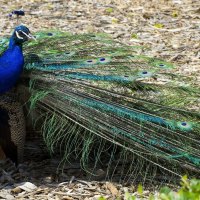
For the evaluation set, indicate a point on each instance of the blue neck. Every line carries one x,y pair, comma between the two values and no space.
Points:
13,43
11,65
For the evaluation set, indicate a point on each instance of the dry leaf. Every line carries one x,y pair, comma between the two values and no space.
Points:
112,189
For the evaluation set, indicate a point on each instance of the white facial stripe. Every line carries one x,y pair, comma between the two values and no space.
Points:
17,34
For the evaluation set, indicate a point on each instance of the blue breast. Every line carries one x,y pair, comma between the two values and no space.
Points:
11,66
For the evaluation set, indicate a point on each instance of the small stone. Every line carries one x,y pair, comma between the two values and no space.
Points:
28,187
16,190
48,179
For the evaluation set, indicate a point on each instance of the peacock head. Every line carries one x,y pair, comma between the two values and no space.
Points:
21,34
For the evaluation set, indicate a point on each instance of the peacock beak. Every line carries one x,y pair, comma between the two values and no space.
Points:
29,36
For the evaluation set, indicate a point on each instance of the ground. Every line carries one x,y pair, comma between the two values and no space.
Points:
170,29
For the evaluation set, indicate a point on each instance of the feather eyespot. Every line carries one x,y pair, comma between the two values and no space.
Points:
185,126
3,41
162,65
50,34
90,62
144,74
104,60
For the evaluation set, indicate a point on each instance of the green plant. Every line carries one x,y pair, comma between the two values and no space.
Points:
190,190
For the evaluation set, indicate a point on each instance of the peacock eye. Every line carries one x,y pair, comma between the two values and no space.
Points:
20,33
145,72
161,65
50,34
90,62
184,124
102,59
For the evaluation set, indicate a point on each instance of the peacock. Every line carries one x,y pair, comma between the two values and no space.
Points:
94,98
12,125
